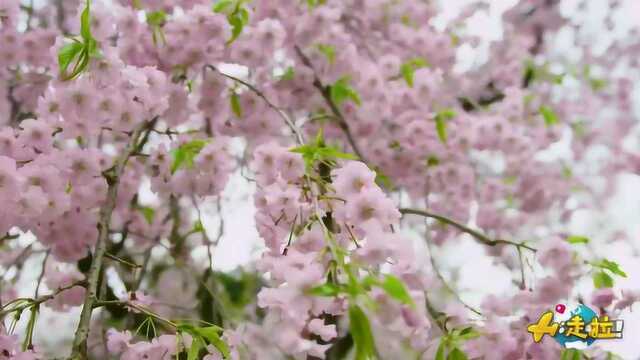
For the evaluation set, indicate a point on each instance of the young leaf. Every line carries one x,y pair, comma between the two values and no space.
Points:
408,68
235,104
314,3
442,348
67,54
237,16
196,345
288,74
550,117
361,332
441,123
328,51
611,266
457,354
602,280
328,289
441,129
156,18
184,155
222,6
341,91
147,212
571,354
575,239
468,333
395,288
85,23
212,335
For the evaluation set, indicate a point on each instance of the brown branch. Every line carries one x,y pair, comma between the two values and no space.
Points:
484,239
325,91
112,175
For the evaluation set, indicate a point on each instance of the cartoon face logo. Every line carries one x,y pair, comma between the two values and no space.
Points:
575,329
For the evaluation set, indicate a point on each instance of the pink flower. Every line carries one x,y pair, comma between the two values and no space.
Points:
556,254
118,342
326,332
352,179
602,298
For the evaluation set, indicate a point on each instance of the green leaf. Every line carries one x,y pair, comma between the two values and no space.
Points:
196,345
382,179
198,227
441,123
222,6
396,289
602,280
441,129
238,19
237,16
468,333
67,54
408,68
360,330
597,84
184,155
433,161
571,354
550,117
156,18
341,91
611,266
234,100
328,289
457,354
212,335
442,348
288,74
328,51
85,22
147,212
575,239
314,3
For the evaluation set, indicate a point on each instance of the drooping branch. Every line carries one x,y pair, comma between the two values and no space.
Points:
26,303
482,238
112,175
444,282
325,91
259,93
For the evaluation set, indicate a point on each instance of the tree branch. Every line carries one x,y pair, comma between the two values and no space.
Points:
283,115
326,95
36,301
112,175
484,239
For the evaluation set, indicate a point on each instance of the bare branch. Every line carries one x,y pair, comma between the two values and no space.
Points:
464,228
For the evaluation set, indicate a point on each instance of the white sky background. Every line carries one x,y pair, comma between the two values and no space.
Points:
476,274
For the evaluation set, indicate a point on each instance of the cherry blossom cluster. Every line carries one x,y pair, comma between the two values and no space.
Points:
359,125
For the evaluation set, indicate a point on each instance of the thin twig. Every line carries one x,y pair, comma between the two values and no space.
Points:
464,228
36,301
122,261
326,95
282,113
44,265
441,277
